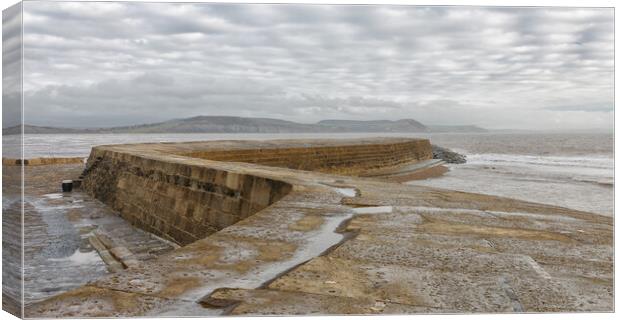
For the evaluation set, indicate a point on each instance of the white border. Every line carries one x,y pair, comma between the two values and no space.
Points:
508,3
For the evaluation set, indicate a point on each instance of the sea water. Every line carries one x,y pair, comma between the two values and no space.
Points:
564,169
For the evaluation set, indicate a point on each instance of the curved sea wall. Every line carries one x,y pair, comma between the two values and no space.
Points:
176,201
171,191
350,159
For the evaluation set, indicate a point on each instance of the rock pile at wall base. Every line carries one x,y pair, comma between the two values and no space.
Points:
448,155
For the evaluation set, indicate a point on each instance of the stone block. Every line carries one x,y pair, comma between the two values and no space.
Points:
261,190
232,181
230,205
220,178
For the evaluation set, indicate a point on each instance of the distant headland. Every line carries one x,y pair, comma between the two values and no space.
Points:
229,124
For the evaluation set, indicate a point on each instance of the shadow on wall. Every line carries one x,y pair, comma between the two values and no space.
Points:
179,202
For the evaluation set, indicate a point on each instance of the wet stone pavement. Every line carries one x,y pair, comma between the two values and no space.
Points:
71,238
11,257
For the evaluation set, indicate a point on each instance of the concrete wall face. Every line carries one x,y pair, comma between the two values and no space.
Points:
178,202
348,160
12,177
184,201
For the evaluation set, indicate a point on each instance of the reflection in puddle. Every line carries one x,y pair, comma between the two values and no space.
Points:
370,210
78,257
53,195
348,192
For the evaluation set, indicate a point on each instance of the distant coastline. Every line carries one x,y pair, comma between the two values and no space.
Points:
226,124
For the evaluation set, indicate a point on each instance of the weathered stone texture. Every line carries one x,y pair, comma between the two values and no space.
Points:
177,202
340,159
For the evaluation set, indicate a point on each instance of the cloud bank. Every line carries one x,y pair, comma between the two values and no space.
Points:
108,63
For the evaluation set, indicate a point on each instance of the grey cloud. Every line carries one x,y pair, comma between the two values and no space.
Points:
151,97
470,65
11,44
584,108
11,109
11,66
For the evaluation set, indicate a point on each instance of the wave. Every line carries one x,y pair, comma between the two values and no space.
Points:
595,162
547,169
602,182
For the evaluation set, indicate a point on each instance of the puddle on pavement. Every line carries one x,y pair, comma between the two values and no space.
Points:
373,210
345,191
349,192
79,257
53,196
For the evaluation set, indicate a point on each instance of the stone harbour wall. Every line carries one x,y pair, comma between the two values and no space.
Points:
186,191
176,201
338,159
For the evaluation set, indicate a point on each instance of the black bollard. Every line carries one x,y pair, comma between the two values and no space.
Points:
67,185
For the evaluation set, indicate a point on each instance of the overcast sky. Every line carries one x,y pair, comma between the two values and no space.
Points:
108,64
